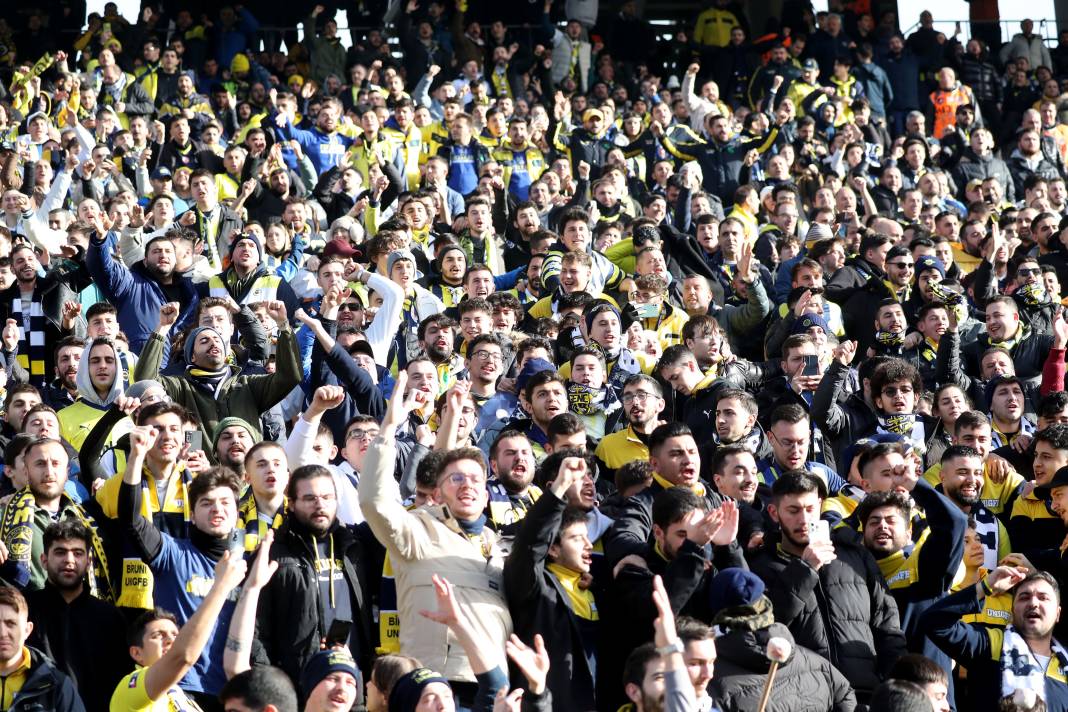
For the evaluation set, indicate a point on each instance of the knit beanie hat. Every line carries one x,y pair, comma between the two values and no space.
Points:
251,237
328,661
807,321
191,339
229,422
409,688
734,587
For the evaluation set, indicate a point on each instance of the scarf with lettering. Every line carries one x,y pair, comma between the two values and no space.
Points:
16,531
32,345
1019,669
909,425
501,87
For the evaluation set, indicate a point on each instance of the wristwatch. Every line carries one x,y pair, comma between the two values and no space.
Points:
674,646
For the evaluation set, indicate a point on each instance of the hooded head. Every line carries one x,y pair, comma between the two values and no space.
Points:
100,368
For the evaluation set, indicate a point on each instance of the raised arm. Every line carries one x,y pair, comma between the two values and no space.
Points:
379,492
151,358
484,658
166,672
301,442
144,534
236,657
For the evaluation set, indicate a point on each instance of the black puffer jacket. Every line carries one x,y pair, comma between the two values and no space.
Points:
982,77
972,167
804,683
842,612
1021,169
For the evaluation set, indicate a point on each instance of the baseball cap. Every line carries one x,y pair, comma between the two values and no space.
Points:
1060,479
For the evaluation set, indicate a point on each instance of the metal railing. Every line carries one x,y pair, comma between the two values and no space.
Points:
1046,29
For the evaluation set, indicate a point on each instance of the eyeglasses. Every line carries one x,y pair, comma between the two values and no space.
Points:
1029,271
892,391
903,265
350,307
488,355
790,444
313,498
640,396
362,434
459,478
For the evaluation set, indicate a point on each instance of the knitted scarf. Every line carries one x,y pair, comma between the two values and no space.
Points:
909,425
499,77
1000,439
1019,669
248,519
212,380
32,349
16,531
986,528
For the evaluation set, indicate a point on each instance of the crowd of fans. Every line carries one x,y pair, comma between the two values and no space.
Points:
517,358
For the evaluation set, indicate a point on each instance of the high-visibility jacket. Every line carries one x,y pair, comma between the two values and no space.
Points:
945,105
263,289
410,146
713,27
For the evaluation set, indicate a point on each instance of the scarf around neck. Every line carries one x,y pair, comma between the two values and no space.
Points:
1019,667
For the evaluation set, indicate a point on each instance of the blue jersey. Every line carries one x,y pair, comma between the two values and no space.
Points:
324,150
463,178
183,576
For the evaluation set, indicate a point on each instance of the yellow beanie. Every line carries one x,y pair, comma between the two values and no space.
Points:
239,64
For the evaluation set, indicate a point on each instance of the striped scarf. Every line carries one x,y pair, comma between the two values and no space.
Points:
573,67
16,531
32,349
986,529
248,520
501,88
1000,439
208,232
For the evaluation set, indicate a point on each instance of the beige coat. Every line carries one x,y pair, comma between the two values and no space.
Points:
428,541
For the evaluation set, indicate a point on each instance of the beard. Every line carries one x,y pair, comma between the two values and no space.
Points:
158,273
437,355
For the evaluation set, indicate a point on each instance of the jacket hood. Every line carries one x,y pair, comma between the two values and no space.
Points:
747,648
85,384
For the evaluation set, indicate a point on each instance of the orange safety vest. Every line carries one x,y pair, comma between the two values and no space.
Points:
945,109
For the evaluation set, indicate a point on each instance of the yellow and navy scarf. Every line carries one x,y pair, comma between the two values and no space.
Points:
499,77
248,519
16,531
32,346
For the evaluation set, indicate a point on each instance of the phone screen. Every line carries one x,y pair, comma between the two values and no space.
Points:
812,365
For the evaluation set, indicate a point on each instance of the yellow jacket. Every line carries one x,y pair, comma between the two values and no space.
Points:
713,27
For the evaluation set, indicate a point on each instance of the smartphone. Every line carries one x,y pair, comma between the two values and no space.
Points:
819,531
812,366
237,542
194,439
338,633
